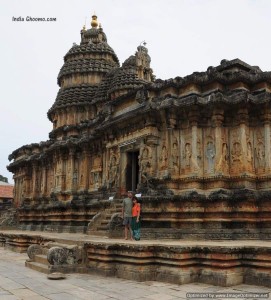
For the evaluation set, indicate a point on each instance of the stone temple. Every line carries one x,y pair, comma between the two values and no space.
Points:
197,148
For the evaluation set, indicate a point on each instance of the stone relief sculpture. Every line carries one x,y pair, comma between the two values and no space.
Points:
249,152
113,174
236,153
223,164
96,172
260,154
75,177
187,154
210,154
199,155
175,157
164,158
145,163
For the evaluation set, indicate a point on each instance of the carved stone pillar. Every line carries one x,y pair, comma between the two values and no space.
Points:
44,178
193,119
171,124
63,171
86,162
267,119
34,180
71,169
243,119
218,117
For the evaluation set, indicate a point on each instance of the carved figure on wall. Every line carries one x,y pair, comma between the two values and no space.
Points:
223,164
145,163
75,177
81,179
210,154
236,153
187,154
199,152
96,179
249,152
113,176
260,154
164,158
175,157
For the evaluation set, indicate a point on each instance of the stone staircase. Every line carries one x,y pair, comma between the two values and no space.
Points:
100,225
39,263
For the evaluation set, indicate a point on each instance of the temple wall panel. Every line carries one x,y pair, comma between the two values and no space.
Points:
209,152
186,152
259,150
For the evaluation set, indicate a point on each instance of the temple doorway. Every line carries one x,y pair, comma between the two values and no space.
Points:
132,170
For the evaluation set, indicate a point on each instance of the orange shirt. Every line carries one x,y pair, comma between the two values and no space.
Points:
136,210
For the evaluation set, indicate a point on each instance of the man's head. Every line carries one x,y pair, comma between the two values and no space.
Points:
130,194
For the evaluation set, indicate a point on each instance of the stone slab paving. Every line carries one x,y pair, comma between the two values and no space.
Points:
19,282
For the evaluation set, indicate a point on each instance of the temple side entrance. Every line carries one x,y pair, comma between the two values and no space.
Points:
132,170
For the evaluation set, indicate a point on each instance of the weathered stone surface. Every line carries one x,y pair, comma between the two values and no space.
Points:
57,256
56,276
33,250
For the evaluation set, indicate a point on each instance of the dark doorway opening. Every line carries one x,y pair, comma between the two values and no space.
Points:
132,170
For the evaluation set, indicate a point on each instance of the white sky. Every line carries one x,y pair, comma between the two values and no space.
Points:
182,36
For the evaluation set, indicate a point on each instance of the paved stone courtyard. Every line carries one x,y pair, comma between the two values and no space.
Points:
19,282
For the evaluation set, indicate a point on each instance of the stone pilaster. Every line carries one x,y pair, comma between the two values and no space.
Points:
86,162
63,171
193,119
218,117
70,186
34,180
267,120
44,179
243,119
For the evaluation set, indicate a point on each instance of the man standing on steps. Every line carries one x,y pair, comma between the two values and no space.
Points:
127,214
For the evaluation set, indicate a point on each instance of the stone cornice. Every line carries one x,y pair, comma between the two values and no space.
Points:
204,78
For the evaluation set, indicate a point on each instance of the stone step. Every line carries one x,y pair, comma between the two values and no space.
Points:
104,222
113,211
102,233
102,228
65,243
37,267
42,259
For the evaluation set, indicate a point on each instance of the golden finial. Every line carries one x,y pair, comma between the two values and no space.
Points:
94,22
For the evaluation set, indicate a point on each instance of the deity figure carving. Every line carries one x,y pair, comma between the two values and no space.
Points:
175,157
96,172
236,153
260,154
164,158
210,154
199,152
81,179
113,174
96,179
223,164
75,177
187,154
145,163
249,152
